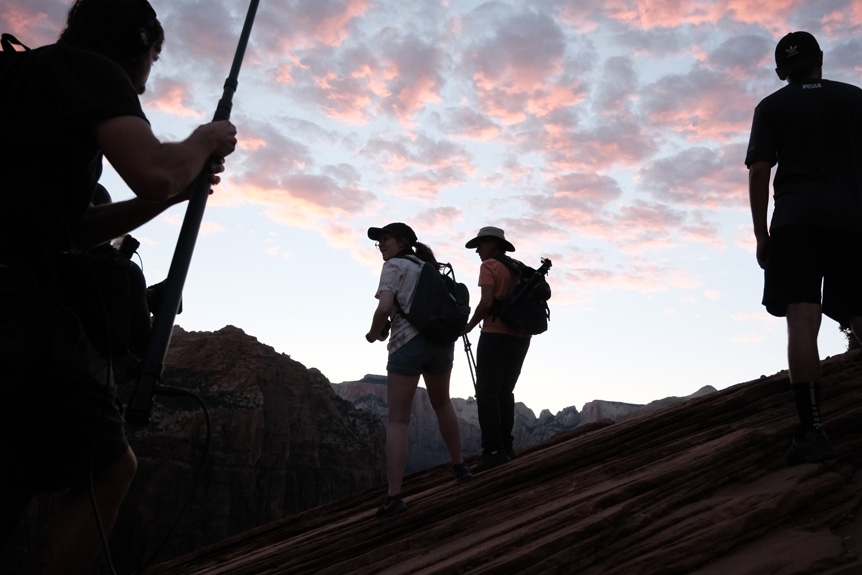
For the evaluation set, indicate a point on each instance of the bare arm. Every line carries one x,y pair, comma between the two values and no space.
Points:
758,195
483,308
385,305
157,171
104,223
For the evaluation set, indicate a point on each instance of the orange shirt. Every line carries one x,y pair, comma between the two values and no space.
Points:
495,273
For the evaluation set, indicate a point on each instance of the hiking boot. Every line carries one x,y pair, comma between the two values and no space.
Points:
813,446
390,506
461,472
490,459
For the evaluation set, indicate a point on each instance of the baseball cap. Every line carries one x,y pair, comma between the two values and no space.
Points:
395,229
796,51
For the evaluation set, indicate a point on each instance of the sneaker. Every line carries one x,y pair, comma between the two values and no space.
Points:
461,472
812,446
490,459
390,506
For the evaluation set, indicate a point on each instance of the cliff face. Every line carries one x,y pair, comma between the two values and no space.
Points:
598,409
696,488
426,447
282,442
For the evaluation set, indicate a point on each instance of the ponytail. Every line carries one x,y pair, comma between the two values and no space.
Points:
424,253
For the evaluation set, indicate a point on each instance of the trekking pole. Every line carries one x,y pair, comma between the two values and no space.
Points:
471,361
140,407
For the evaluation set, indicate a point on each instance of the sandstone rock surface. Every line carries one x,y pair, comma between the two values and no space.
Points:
698,488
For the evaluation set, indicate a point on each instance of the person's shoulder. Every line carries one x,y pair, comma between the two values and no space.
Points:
843,86
402,263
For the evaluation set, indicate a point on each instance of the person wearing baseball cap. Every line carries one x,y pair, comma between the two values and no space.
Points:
411,354
812,130
500,352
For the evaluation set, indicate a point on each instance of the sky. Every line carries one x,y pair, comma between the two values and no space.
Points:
608,136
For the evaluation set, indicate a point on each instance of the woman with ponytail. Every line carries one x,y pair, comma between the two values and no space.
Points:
411,354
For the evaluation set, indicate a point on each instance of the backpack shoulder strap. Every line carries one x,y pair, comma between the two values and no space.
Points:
507,261
8,43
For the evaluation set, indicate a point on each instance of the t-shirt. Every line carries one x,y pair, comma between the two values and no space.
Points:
400,276
495,273
813,130
50,100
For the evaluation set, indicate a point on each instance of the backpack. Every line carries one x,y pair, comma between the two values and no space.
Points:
441,306
525,307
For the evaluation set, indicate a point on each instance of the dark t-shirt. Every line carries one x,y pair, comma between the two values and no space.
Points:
813,130
50,100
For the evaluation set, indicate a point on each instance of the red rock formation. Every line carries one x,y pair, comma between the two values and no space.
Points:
282,442
698,488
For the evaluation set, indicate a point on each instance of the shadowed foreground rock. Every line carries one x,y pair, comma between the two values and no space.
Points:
282,442
697,488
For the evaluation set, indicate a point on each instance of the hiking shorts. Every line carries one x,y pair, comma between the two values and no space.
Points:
59,414
813,264
421,355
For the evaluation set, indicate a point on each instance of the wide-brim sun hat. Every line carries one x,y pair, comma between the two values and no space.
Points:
396,229
491,232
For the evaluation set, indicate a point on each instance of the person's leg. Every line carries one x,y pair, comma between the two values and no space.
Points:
438,393
803,326
399,394
490,367
73,539
856,326
517,352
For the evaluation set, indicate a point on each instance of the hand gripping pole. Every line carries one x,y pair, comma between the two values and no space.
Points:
140,406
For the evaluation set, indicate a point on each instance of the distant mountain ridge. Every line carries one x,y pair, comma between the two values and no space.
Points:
426,447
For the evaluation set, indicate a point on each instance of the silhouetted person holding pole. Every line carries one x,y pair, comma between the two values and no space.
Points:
62,107
812,129
500,353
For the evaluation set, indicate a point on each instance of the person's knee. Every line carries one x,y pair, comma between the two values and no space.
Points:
803,319
440,403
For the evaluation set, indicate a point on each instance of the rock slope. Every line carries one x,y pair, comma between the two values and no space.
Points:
699,488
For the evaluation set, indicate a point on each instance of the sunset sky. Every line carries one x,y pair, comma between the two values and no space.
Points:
608,136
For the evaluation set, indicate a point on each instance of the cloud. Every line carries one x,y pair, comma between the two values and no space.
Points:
171,97
696,106
699,177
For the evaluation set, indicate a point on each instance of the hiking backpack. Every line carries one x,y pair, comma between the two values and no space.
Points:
441,306
525,307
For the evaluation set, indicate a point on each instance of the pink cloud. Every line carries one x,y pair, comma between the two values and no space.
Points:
467,123
171,97
576,198
405,154
696,106
34,22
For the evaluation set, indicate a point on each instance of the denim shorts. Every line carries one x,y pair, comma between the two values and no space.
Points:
811,264
420,355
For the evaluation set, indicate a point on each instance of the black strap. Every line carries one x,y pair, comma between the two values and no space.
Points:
8,43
